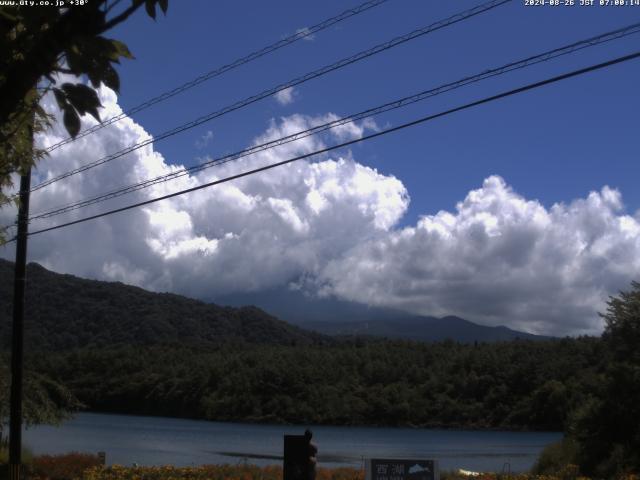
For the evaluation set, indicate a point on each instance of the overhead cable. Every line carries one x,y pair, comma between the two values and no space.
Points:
300,35
402,102
371,136
297,81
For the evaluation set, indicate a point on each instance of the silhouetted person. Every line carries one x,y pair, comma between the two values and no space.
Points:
312,453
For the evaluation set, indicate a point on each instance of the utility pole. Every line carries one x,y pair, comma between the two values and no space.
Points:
17,343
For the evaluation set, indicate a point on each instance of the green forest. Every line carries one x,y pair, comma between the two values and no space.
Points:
515,385
64,312
108,347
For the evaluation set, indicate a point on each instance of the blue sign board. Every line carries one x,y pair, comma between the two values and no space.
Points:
402,469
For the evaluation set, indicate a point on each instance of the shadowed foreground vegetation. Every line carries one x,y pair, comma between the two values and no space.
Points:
228,472
77,466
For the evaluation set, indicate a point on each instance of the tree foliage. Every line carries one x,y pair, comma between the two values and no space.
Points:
514,385
38,43
64,312
607,426
45,400
122,349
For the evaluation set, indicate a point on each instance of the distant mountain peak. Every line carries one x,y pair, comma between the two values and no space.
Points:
423,329
65,311
336,317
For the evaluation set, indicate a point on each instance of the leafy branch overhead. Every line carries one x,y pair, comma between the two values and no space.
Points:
92,57
45,400
76,99
36,44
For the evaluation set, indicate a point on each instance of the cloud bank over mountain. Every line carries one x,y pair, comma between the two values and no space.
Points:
500,257
329,225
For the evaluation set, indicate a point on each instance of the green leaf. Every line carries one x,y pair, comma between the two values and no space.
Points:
40,112
71,121
94,78
4,12
61,98
121,49
94,73
76,60
83,98
95,70
110,78
98,49
150,6
104,49
93,111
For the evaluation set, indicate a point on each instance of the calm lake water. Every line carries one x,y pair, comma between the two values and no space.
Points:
157,441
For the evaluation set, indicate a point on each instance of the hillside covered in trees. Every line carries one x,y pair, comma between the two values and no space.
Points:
65,312
122,349
109,347
514,385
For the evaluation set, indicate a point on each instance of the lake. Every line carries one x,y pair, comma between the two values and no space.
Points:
157,441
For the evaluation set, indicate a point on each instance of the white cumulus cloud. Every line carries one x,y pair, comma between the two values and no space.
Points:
330,226
252,233
500,259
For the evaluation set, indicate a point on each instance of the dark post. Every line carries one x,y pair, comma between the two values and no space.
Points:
299,457
312,452
15,422
295,453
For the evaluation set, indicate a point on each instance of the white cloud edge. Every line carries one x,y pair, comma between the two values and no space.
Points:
333,224
286,96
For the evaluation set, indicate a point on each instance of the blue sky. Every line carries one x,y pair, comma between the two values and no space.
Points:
552,144
523,212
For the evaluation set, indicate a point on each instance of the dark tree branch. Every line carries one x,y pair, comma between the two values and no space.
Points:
122,17
43,55
112,6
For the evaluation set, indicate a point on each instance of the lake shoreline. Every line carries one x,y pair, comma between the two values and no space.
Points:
145,440
409,426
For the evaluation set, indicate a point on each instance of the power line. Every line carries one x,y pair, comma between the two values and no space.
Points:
424,119
305,33
529,61
268,93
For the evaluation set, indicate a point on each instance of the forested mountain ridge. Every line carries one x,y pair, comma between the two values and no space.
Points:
422,329
335,316
122,349
66,312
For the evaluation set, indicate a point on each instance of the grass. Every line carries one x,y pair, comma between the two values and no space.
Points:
252,472
27,456
62,467
82,466
211,472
